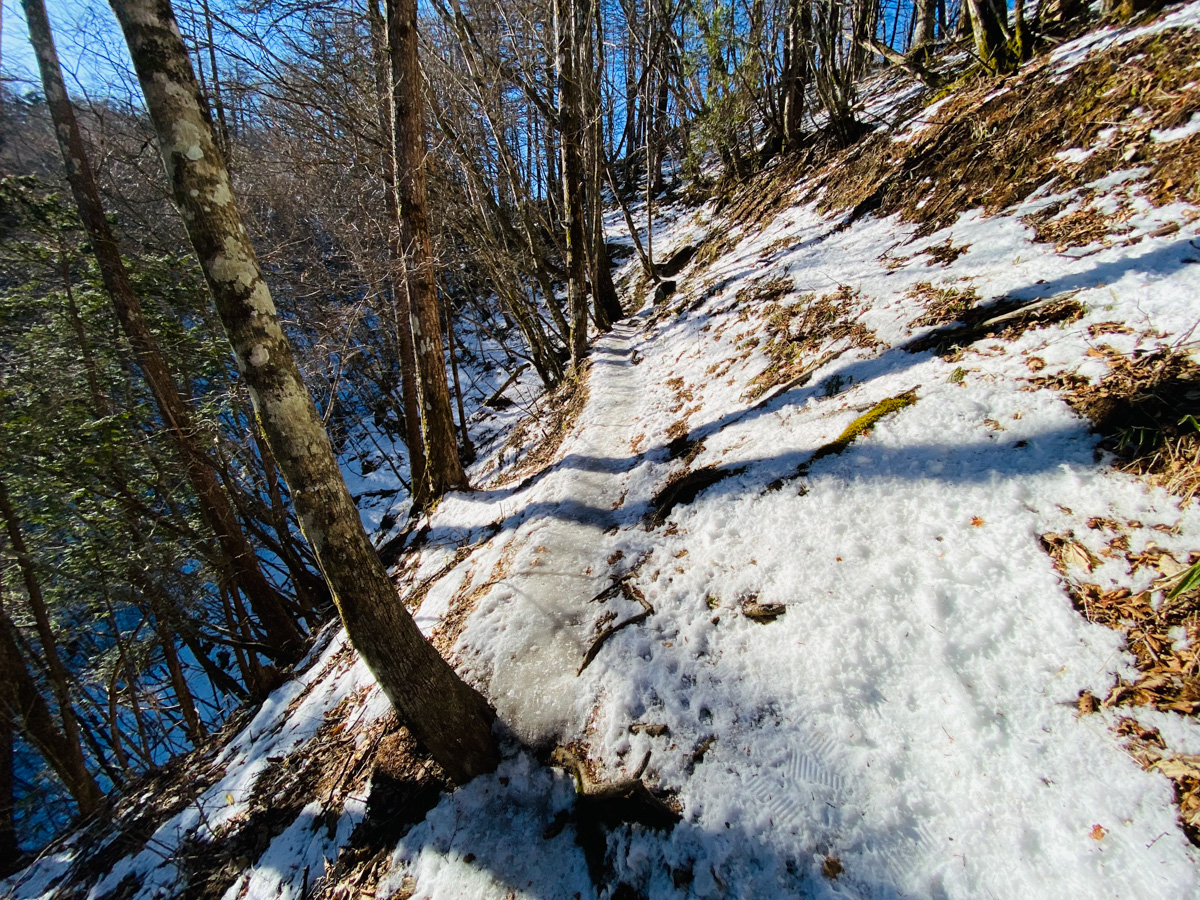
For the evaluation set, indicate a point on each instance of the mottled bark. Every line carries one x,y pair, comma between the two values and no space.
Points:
399,293
447,716
566,28
242,564
443,468
27,708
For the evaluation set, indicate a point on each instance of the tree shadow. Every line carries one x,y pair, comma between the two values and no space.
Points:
521,830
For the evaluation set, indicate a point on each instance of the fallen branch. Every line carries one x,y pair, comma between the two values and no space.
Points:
909,63
500,390
801,379
1027,309
631,593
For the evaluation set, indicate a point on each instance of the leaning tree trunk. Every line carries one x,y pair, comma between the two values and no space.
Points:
448,716
241,560
26,706
566,27
443,468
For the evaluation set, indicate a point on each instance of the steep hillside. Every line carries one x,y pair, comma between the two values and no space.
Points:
872,550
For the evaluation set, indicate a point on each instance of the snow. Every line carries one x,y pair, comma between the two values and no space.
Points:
913,713
1186,130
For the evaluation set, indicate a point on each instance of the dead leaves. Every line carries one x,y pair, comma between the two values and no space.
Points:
1161,625
1147,408
1153,622
1067,552
832,867
762,612
1147,747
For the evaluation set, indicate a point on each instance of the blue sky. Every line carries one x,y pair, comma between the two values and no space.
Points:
89,42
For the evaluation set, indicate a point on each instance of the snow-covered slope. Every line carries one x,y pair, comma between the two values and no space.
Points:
823,554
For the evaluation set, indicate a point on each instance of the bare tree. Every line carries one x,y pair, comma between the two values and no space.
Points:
449,717
24,704
570,121
443,468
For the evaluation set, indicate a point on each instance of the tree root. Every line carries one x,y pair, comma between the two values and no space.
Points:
614,803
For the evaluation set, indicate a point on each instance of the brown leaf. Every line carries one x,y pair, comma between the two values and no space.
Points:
976,521
1098,832
1074,553
762,612
1179,766
1169,566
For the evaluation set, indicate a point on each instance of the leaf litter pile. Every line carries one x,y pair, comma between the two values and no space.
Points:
1145,410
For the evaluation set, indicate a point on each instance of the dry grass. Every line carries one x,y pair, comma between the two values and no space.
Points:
943,304
1147,408
1082,226
766,291
992,150
797,333
547,427
337,762
945,253
466,599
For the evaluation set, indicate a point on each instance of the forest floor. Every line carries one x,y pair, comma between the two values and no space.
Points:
878,536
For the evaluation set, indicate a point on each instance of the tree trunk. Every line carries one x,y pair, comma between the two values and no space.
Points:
795,70
606,306
399,293
59,677
923,32
990,42
468,449
10,851
566,32
243,570
29,709
443,468
449,717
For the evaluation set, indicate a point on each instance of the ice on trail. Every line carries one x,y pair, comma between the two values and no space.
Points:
531,631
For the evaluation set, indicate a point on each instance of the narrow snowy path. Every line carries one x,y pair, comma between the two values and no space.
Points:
541,613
